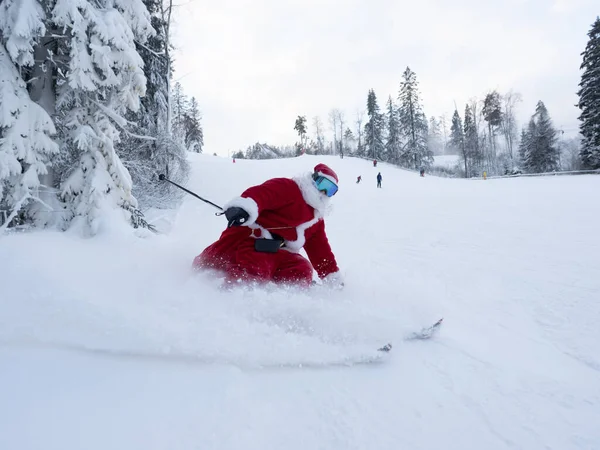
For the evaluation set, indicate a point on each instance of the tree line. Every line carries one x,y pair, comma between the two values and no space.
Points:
485,134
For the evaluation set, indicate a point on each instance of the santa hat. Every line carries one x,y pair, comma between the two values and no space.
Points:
325,171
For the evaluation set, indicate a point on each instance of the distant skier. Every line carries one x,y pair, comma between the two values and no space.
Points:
422,172
358,179
269,225
374,163
379,178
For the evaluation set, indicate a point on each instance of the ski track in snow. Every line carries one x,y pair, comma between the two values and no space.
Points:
114,342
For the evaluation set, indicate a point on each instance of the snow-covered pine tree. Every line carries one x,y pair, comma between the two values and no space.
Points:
350,144
457,137
194,137
153,149
525,143
589,100
413,124
21,25
373,128
300,127
393,144
471,153
540,151
179,107
104,79
25,145
25,128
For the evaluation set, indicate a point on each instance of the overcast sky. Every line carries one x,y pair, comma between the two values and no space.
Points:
255,65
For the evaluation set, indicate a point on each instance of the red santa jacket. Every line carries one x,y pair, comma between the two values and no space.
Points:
292,209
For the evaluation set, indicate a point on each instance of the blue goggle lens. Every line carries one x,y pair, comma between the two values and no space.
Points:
327,186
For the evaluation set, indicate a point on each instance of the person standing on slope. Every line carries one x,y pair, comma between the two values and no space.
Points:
379,178
288,212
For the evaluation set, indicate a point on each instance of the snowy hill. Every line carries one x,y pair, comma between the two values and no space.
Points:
113,343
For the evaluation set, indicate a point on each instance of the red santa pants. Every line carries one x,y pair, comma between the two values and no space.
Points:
234,254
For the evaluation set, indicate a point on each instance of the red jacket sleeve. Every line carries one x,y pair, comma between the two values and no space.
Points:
319,251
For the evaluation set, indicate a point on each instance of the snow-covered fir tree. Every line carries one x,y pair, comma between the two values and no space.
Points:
470,156
539,152
194,136
165,150
457,137
22,23
374,146
350,142
104,79
524,143
147,152
393,144
589,100
26,146
300,127
413,124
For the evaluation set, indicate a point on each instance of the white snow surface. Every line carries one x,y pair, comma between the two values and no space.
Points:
114,343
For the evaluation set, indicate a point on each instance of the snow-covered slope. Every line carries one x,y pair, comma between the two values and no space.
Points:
113,343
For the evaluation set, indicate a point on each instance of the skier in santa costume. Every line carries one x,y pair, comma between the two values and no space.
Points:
286,212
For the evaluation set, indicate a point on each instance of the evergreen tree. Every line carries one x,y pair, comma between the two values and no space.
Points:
524,142
457,137
350,144
413,124
194,136
180,105
154,149
22,23
393,143
539,151
25,144
471,138
589,100
105,79
300,127
374,128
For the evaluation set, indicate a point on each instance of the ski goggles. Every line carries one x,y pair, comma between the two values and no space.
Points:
326,185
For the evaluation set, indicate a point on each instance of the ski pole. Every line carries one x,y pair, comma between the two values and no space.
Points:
162,177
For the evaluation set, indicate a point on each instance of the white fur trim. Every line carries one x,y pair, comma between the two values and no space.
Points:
317,200
264,233
295,246
248,205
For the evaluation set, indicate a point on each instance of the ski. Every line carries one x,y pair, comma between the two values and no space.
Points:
423,334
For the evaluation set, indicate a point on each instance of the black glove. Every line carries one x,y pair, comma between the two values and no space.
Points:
236,216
